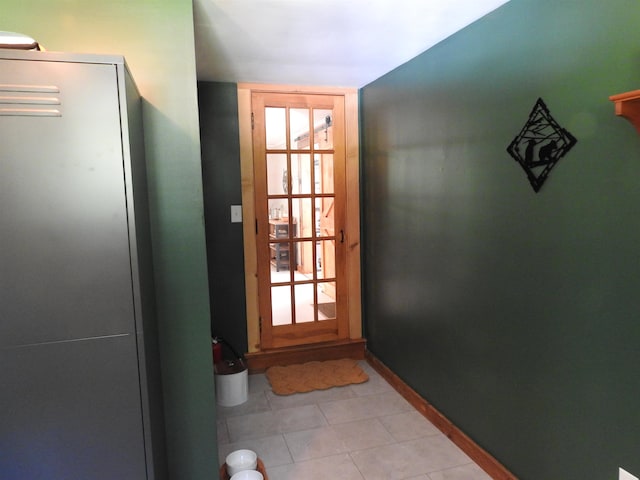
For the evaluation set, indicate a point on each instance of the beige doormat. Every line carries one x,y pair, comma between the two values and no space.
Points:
311,376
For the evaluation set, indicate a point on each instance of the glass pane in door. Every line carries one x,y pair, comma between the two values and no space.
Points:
304,303
281,259
304,257
281,305
299,126
326,300
276,128
277,178
302,209
325,215
322,120
323,173
301,174
278,210
325,259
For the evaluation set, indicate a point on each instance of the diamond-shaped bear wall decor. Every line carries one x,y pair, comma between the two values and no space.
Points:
540,145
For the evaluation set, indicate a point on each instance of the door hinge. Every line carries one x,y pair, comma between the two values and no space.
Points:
256,226
260,326
253,123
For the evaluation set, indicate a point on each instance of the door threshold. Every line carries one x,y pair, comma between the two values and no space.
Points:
258,362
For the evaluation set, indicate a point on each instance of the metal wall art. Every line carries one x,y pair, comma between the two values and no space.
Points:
540,145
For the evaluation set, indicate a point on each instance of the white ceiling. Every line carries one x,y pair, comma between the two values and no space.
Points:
346,43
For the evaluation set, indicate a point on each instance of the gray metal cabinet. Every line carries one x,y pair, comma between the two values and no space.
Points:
79,384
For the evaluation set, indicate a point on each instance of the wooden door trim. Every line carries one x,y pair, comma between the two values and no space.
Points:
352,207
352,210
258,362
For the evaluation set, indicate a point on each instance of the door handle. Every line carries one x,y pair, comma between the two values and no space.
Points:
341,236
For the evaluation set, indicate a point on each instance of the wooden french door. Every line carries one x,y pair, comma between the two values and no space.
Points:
299,172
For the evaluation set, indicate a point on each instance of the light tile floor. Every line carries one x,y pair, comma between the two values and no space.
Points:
358,432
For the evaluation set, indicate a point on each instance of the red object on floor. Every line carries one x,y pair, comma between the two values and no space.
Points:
217,351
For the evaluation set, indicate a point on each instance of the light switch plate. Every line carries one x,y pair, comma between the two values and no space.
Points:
624,475
236,213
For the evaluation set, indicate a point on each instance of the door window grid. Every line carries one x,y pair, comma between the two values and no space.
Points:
291,183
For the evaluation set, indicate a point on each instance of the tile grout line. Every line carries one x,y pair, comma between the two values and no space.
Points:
270,406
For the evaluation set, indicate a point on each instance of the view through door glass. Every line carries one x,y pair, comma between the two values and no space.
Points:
301,245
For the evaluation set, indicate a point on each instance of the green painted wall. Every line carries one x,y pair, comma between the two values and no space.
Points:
156,37
516,314
222,186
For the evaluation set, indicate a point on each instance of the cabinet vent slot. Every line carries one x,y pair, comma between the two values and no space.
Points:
29,100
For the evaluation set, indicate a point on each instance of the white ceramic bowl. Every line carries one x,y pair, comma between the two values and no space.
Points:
241,460
248,475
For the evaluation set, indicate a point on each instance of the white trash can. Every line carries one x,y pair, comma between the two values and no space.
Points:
232,383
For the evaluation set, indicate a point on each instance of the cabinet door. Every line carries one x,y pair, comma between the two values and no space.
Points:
70,410
65,251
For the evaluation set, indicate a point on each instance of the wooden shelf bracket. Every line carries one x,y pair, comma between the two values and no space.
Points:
628,106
